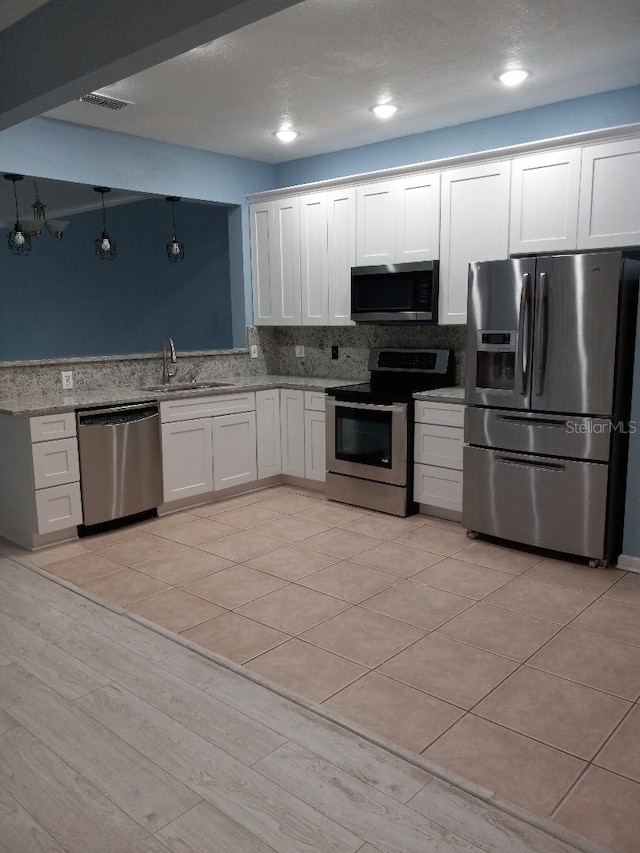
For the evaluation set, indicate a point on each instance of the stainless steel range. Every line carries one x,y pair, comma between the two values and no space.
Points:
370,428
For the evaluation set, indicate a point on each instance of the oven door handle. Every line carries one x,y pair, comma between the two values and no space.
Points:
396,407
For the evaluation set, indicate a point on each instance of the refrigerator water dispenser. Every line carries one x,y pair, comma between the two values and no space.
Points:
496,360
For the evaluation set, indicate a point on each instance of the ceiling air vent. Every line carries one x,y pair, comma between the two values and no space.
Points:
103,101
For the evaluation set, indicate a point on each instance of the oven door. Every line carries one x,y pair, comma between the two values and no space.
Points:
368,441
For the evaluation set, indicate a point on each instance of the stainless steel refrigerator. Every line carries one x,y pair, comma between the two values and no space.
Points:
550,346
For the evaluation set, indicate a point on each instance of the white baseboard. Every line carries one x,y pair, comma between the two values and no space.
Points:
628,563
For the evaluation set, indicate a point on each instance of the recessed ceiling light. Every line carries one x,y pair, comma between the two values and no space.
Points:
384,110
513,76
286,135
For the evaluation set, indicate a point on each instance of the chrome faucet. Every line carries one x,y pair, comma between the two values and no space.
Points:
168,357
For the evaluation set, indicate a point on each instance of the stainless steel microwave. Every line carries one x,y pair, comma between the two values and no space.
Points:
395,293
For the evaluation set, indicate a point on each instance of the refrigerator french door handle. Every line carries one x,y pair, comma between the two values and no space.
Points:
540,344
524,328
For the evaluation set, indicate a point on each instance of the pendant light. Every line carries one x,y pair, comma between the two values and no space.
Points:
19,239
39,220
105,244
175,247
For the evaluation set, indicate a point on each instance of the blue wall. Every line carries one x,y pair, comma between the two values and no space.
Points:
68,152
61,300
581,114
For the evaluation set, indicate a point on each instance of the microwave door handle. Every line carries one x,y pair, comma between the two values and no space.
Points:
540,345
524,329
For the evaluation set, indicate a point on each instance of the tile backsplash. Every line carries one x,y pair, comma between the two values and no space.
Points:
276,356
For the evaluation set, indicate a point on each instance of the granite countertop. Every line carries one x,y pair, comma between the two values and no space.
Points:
59,402
453,394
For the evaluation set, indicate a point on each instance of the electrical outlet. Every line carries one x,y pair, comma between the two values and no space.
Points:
334,352
254,350
299,351
67,379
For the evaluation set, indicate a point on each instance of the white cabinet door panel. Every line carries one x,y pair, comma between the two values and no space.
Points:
268,433
341,253
446,414
441,487
292,432
439,445
261,220
234,450
418,218
475,227
544,202
285,262
55,462
314,260
376,223
315,446
187,458
58,508
47,427
610,195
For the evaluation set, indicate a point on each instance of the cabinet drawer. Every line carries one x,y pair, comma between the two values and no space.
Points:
206,407
439,445
440,487
47,427
58,507
55,462
447,414
314,401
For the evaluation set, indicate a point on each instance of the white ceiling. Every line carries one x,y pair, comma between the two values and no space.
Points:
322,63
13,10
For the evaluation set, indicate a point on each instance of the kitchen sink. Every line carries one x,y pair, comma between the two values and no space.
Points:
185,386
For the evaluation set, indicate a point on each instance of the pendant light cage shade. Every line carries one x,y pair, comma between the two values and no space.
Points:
175,247
105,244
18,239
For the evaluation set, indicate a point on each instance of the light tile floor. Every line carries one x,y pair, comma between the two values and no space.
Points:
517,672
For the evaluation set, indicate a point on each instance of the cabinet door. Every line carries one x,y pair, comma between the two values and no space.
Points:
261,221
544,202
284,256
268,433
418,218
341,253
439,445
292,432
314,446
55,462
187,459
441,487
475,227
313,260
58,508
234,450
376,223
610,195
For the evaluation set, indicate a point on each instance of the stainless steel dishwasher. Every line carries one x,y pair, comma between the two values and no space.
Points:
120,461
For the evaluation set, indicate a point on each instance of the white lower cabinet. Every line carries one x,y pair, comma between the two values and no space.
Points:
187,458
268,442
292,432
315,446
234,450
58,507
438,444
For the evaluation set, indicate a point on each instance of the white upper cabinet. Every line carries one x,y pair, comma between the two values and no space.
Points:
418,218
398,221
544,202
376,224
314,258
610,195
474,227
341,253
275,262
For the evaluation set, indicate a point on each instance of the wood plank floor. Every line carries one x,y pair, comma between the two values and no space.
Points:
114,738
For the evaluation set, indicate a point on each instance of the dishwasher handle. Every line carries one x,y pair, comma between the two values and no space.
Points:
117,415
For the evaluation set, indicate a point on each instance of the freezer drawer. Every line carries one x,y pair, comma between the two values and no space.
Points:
536,500
535,432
